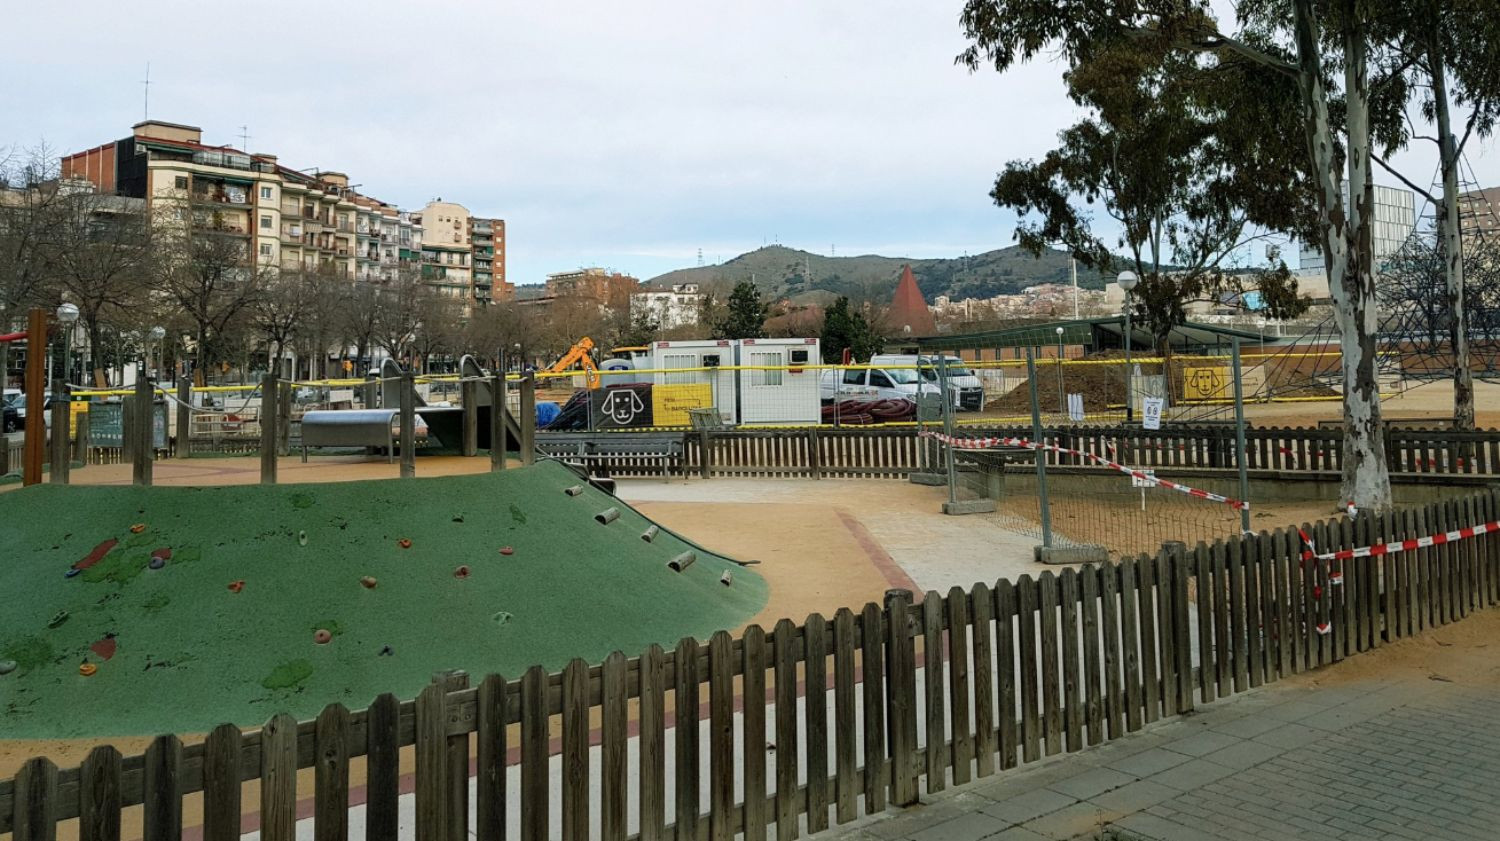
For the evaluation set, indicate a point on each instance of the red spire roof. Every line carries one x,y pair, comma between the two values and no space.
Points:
909,314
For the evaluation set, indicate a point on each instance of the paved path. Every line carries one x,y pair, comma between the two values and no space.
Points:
1404,756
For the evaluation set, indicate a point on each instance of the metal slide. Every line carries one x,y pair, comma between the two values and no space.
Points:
445,423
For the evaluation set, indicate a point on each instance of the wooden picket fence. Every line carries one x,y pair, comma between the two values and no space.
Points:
867,710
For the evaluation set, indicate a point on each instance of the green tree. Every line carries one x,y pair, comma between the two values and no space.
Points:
745,316
844,328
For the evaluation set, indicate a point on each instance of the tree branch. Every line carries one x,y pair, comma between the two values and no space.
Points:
1403,179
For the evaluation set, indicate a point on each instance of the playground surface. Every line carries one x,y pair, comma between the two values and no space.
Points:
405,578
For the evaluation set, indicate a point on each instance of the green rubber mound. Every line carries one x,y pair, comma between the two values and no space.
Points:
189,653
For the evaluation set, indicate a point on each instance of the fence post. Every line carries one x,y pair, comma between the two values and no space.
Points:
269,415
1041,455
369,392
58,413
814,453
1240,459
184,417
498,409
408,425
284,418
145,430
528,420
81,438
901,697
705,444
469,394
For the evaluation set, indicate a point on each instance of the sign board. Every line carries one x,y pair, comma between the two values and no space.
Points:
76,408
1207,383
621,407
1151,412
1148,482
670,403
341,395
1075,408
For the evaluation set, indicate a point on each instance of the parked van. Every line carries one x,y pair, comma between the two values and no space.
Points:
873,384
965,389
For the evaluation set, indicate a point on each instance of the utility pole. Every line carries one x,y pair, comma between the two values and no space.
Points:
1073,265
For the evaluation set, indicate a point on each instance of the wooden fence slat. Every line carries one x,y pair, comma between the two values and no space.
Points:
456,753
1110,615
1223,641
432,764
278,779
815,716
1028,647
1052,709
1238,648
1166,637
99,795
1250,561
36,807
933,678
901,689
872,665
162,793
981,616
535,737
721,669
685,699
383,769
784,641
491,715
331,774
1072,709
1150,667
962,753
845,727
754,727
1092,677
575,751
1273,604
1005,651
651,747
1178,564
1130,643
222,755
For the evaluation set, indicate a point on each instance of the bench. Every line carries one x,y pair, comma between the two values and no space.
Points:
595,454
350,428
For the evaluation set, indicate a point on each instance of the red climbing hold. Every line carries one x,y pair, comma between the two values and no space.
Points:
462,571
97,555
404,543
164,553
321,636
506,550
236,586
105,648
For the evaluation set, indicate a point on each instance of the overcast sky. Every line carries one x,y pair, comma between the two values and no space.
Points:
623,135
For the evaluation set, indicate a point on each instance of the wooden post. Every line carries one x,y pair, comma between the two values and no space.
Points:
901,697
81,443
497,421
184,417
58,413
528,421
814,453
284,418
705,447
269,415
408,425
469,390
145,429
36,342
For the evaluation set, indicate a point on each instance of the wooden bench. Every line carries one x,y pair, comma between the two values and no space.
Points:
596,453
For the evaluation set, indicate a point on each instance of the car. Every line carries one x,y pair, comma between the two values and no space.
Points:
10,419
19,405
966,391
9,395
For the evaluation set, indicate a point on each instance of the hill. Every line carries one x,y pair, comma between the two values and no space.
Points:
782,272
178,650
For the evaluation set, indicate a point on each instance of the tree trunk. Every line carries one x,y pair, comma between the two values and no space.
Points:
1346,249
199,358
1452,244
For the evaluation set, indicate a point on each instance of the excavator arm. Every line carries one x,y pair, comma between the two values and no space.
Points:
579,355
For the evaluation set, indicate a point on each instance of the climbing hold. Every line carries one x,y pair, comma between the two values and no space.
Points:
302,537
164,552
7,666
607,516
137,528
322,636
72,571
462,571
87,669
573,490
458,518
682,562
236,586
97,554
368,582
502,617
57,619
386,651
727,578
404,543
106,647
157,563
649,534
507,550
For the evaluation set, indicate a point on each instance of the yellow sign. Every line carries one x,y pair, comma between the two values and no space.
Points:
670,403
76,408
1206,383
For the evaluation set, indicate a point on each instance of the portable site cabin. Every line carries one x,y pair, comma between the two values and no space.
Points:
763,396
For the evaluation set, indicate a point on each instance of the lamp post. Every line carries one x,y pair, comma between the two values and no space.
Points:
1062,398
157,334
4,350
1127,281
67,316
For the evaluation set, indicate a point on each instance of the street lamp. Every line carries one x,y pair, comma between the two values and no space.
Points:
67,316
1127,281
4,350
157,334
1062,399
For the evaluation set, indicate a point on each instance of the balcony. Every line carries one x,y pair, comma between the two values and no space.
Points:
236,198
346,227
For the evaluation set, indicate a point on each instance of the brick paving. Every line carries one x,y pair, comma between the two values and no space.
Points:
1388,758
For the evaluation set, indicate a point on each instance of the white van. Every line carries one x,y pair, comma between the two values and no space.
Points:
873,384
965,389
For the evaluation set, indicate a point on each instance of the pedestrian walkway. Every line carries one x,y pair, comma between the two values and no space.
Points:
1399,744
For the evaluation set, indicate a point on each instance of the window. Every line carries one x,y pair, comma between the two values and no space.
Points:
182,182
265,222
265,193
879,379
265,249
854,376
766,377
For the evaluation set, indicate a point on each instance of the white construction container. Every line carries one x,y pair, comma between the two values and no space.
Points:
770,396
696,363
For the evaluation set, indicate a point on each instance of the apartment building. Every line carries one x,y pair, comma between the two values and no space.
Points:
487,242
1395,219
1479,213
675,307
611,289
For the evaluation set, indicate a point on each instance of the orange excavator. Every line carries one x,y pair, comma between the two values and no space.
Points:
579,354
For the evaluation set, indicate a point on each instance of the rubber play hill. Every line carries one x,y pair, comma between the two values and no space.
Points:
210,604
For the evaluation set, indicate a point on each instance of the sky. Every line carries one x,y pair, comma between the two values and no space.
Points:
628,136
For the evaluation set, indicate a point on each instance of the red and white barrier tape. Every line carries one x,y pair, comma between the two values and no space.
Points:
985,443
1399,545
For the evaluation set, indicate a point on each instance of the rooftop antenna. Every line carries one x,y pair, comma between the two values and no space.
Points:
700,258
146,95
245,138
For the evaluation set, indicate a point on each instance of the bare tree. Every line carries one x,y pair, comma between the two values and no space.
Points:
29,207
398,314
279,312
